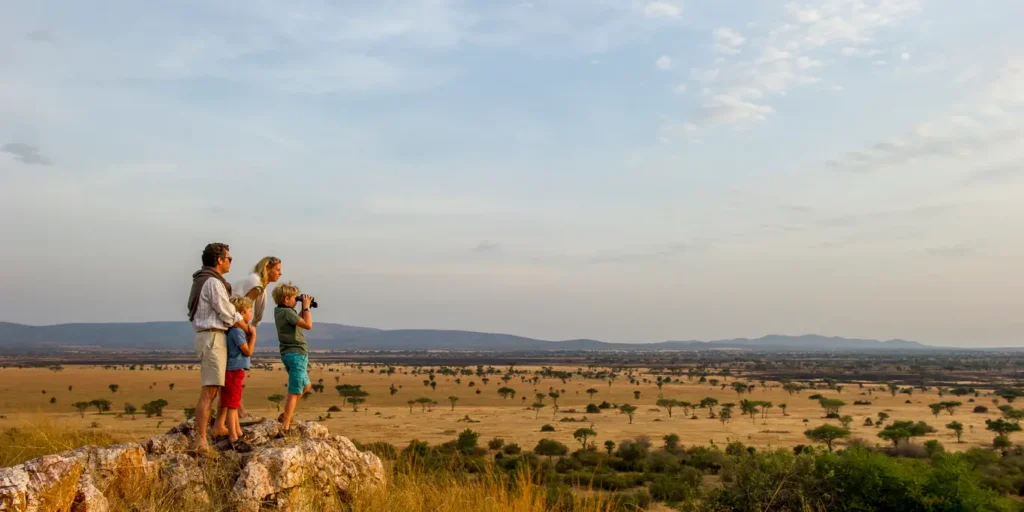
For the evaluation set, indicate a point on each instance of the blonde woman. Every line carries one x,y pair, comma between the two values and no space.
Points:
254,286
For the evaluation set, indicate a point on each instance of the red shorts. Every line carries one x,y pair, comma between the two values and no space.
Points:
231,395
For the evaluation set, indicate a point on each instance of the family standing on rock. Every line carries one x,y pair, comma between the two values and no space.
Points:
225,320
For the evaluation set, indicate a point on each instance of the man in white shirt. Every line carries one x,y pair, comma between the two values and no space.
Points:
211,314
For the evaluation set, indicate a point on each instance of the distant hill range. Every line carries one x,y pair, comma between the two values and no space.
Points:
327,336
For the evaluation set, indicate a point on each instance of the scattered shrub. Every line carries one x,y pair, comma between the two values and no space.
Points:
496,443
980,409
547,428
382,449
677,487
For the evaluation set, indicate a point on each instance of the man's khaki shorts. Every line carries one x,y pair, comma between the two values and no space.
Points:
212,349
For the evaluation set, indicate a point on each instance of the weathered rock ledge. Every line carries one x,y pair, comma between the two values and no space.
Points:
78,480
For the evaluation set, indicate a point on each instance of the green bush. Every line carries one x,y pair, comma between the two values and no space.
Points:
593,409
511,449
677,487
707,458
547,428
630,501
662,461
567,464
496,443
382,449
854,479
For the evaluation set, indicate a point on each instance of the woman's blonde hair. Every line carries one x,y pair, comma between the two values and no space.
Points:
241,303
283,291
262,268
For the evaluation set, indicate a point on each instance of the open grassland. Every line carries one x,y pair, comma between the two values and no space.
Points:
26,393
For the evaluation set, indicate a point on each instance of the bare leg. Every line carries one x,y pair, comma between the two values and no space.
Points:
237,426
220,428
206,396
241,410
289,410
289,407
231,421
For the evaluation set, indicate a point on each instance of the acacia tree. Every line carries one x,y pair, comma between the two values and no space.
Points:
1002,427
725,414
783,407
276,400
668,404
355,402
628,410
582,434
410,403
749,407
950,406
827,434
351,391
957,428
709,402
130,409
591,392
831,406
609,445
113,388
453,399
846,421
893,434
101,404
82,407
936,409
537,406
550,448
424,403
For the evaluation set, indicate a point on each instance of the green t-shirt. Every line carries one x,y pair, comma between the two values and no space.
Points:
288,334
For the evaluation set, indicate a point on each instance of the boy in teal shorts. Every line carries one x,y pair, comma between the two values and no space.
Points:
294,350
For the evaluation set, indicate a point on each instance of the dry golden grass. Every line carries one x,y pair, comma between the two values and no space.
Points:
26,442
388,418
413,489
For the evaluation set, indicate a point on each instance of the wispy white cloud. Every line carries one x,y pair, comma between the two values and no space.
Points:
788,52
662,10
704,75
664,63
727,40
980,124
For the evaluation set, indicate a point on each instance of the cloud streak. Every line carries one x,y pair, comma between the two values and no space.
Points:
25,153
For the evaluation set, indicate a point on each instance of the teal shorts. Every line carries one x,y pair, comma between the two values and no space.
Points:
298,377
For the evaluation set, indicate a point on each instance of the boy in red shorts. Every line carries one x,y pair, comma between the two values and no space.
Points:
240,347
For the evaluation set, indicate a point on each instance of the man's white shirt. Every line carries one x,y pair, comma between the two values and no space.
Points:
215,310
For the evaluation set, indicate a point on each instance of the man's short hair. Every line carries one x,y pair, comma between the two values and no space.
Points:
241,303
214,252
283,291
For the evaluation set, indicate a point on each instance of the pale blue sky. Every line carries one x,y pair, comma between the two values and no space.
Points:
621,170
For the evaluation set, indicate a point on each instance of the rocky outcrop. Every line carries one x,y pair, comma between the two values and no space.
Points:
83,480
